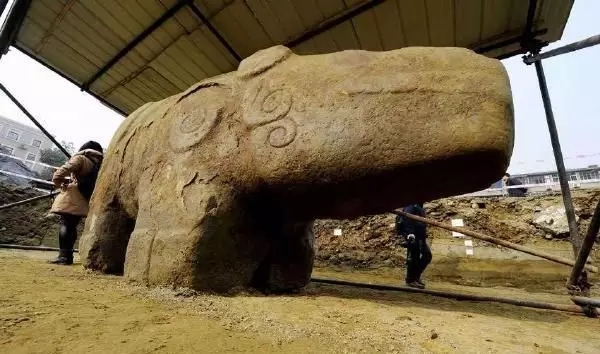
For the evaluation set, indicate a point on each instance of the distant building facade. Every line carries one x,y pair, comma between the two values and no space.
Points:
22,141
590,173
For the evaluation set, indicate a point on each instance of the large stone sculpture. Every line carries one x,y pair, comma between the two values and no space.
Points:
217,187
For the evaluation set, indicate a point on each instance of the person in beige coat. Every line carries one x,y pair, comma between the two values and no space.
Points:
76,180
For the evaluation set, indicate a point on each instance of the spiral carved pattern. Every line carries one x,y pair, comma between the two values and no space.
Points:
282,133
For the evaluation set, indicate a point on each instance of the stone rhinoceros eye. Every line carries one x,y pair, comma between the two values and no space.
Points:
192,121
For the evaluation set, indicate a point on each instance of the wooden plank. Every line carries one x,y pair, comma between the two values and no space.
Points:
309,12
440,14
198,56
126,98
109,18
553,15
138,18
167,66
63,57
496,15
390,25
468,22
211,7
323,43
153,78
414,22
366,29
269,20
180,65
30,34
329,8
184,17
257,37
42,14
148,12
221,59
518,15
288,18
95,28
185,61
53,6
344,36
304,48
232,30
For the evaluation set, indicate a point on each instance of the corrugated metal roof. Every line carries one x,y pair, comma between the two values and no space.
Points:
203,38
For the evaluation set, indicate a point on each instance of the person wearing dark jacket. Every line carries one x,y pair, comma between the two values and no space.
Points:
512,181
418,254
76,180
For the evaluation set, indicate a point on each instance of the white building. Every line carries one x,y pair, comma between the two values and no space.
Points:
22,141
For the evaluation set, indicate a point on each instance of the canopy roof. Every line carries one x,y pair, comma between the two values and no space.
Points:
130,52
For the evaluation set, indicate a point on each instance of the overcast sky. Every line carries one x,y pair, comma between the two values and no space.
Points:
573,81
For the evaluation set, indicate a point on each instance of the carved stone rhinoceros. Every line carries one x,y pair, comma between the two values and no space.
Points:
217,187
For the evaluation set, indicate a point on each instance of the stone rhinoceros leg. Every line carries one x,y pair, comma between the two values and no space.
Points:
289,263
190,233
104,241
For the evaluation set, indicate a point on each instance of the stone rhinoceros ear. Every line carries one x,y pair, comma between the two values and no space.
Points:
262,61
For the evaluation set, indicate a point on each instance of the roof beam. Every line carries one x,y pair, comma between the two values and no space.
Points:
214,31
137,40
68,78
12,24
507,42
528,40
333,21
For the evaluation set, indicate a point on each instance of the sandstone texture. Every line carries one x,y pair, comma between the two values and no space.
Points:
217,187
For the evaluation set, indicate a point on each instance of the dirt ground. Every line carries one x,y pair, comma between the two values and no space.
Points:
54,309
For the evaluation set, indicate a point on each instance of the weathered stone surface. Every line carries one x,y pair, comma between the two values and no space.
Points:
217,187
554,221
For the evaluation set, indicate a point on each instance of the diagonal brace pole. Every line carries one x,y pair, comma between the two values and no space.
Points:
32,118
558,157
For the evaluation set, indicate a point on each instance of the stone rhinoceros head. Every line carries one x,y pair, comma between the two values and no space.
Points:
353,132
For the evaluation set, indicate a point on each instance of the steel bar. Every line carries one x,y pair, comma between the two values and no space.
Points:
12,25
531,9
558,157
27,201
31,248
586,247
32,118
585,301
457,296
3,4
333,21
203,19
137,40
480,236
572,47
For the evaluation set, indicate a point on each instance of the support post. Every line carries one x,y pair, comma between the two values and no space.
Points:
576,240
584,252
32,118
